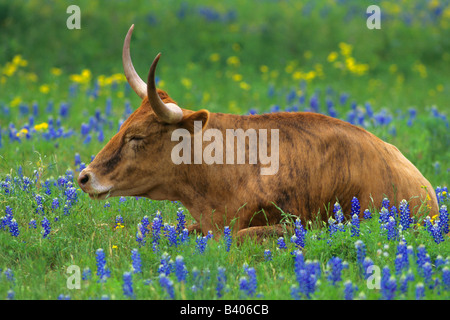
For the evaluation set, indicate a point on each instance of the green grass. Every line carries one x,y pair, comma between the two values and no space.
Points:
276,44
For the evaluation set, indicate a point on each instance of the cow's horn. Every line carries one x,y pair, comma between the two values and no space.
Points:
167,112
136,83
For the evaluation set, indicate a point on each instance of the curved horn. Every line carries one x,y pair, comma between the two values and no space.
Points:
167,112
136,83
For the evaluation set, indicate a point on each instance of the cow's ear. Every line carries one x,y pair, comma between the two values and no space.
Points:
196,119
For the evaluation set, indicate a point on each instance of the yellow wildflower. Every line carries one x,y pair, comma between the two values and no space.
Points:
264,68
214,57
56,71
233,61
237,77
332,56
244,85
31,76
45,88
15,102
41,126
187,83
346,49
22,133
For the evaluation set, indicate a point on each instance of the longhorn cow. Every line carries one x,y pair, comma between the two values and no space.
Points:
321,160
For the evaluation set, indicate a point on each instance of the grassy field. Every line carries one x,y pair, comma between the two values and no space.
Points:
63,96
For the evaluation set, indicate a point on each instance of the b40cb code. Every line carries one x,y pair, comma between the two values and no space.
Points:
246,309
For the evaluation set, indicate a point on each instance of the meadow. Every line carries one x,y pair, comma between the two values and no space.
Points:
63,96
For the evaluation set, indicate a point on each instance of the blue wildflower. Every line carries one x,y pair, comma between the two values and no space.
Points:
140,235
385,203
355,207
420,291
184,236
165,265
32,224
360,252
338,214
180,269
355,226
136,261
281,243
46,225
201,244
335,266
367,266
14,228
55,204
181,218
436,232
167,285
267,255
221,281
128,285
405,215
87,274
443,219
392,231
388,284
102,271
446,278
404,279
349,290
367,214
227,238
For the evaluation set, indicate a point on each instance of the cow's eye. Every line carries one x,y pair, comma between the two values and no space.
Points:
136,138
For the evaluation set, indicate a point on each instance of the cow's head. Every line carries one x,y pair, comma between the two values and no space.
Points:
137,160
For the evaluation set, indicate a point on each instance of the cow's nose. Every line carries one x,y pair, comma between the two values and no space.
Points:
84,178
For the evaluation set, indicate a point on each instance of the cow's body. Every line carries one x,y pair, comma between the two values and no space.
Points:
321,160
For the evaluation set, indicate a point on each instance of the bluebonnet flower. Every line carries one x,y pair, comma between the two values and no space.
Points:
367,214
332,226
385,203
446,278
360,252
388,284
184,236
136,261
140,235
181,218
165,265
437,233
267,255
10,295
156,229
201,244
420,291
422,258
14,228
300,234
167,285
404,279
107,205
243,284
355,207
102,271
77,159
119,220
338,214
403,262
252,282
32,224
171,234
281,243
392,231
46,225
355,226
209,235
128,285
367,264
335,266
349,290
227,238
405,215
443,219
427,272
87,274
180,269
221,281
55,204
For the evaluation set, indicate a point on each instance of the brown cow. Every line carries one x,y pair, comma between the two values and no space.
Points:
317,161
